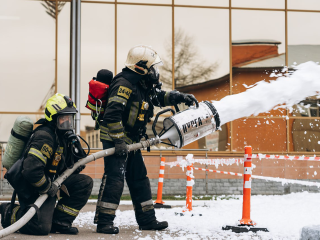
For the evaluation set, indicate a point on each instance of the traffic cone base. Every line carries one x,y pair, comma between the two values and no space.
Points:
192,215
159,201
161,205
241,229
247,222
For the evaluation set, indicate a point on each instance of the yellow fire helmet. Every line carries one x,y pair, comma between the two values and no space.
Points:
59,104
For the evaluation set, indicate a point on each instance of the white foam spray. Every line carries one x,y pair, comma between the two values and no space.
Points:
265,96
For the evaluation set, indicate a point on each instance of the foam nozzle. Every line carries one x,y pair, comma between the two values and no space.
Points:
190,125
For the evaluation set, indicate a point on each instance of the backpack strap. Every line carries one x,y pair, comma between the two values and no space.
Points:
96,99
13,199
17,135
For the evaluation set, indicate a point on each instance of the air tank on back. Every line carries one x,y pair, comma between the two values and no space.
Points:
20,134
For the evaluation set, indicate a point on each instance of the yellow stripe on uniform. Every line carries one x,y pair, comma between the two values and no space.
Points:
117,135
166,99
115,126
68,210
14,213
118,100
40,183
133,114
92,107
38,154
106,137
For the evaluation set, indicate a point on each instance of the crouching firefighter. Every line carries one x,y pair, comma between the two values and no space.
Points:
133,93
52,148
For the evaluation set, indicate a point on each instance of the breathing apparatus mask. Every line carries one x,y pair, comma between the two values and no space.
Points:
65,127
65,122
153,75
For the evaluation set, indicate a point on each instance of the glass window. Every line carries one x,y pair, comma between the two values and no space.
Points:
257,42
201,56
303,46
258,4
211,3
304,135
304,5
307,108
264,135
97,44
148,1
202,62
244,78
258,49
27,56
106,1
155,33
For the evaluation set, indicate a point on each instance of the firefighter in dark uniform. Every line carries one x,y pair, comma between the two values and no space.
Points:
52,148
130,106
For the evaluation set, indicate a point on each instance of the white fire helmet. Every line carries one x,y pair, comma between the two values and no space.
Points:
146,55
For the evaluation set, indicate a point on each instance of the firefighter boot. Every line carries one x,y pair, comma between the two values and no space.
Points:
5,214
107,229
154,225
64,229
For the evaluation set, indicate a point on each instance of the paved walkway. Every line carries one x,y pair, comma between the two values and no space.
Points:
88,232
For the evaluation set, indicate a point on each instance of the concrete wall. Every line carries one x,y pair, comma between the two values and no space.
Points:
213,187
214,183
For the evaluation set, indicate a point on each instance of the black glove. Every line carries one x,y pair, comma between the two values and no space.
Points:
178,97
53,190
121,148
79,169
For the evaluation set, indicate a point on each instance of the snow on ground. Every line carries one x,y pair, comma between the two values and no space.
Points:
283,215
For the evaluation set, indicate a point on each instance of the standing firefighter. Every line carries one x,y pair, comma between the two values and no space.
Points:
52,148
132,95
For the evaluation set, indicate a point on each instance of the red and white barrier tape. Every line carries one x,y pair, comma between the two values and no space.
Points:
216,171
282,180
214,161
284,157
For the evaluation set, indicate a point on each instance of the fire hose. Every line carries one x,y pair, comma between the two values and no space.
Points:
104,153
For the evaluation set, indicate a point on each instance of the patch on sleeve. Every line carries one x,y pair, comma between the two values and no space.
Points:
46,150
124,92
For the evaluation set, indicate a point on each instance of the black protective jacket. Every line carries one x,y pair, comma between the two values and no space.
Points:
35,169
129,107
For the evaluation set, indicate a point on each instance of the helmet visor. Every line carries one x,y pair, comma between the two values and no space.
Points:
65,122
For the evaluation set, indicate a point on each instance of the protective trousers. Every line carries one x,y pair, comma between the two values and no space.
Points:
135,172
79,187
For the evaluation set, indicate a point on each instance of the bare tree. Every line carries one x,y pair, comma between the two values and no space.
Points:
50,7
188,68
52,10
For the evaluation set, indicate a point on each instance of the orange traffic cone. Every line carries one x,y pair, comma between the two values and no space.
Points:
189,188
159,203
189,192
246,224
